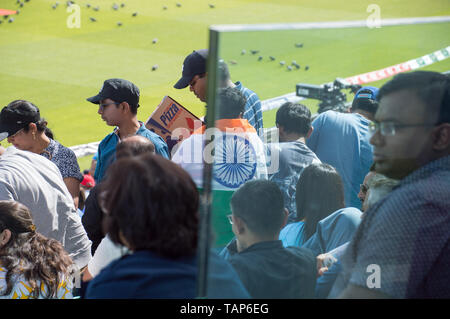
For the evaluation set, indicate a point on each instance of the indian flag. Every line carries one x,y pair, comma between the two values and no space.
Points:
238,155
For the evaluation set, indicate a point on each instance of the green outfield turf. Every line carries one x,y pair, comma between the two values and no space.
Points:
56,67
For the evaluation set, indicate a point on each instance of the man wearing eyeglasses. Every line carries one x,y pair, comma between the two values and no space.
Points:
402,247
195,76
342,140
118,101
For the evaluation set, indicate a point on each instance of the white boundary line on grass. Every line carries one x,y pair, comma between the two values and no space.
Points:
273,103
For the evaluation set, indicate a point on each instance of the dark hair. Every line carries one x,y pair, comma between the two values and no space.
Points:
41,124
319,193
28,253
133,107
133,146
230,103
260,204
364,104
432,88
294,118
151,203
49,133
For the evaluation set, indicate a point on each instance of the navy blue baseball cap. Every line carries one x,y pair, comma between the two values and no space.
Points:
194,63
118,90
16,116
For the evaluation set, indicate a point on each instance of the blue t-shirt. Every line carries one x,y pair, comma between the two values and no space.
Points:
334,230
107,149
293,234
342,140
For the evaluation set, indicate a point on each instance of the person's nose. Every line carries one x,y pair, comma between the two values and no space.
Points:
376,138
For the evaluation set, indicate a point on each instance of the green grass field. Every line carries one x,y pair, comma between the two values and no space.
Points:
57,68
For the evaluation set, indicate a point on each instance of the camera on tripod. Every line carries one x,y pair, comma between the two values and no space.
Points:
329,94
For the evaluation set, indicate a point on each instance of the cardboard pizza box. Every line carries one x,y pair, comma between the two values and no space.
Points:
172,121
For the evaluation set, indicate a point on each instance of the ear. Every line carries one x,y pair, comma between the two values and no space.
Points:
32,127
5,236
441,137
311,129
280,130
125,106
240,226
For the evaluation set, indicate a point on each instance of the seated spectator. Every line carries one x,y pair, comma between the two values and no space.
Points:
36,182
319,193
378,187
152,211
291,155
21,123
31,265
363,188
334,230
93,214
266,268
238,155
220,273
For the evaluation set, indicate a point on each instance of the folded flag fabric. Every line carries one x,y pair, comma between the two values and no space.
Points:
236,149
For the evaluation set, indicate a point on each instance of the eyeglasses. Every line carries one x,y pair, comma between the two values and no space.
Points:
193,82
102,106
390,128
230,219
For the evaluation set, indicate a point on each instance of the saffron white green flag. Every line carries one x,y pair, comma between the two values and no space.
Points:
238,155
236,149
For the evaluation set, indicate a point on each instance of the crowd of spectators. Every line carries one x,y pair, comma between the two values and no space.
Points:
356,206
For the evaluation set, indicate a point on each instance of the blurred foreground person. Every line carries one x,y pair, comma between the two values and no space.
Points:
31,265
36,182
152,210
406,235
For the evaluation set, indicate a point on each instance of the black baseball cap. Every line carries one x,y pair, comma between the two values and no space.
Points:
16,116
194,63
118,90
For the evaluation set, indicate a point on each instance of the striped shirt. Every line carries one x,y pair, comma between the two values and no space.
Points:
253,111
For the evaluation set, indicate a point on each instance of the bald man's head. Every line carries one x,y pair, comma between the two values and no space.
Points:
133,146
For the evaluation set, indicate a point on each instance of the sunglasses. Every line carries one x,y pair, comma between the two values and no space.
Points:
364,188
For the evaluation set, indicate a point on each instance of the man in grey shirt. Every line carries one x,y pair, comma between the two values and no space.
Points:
36,182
